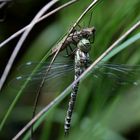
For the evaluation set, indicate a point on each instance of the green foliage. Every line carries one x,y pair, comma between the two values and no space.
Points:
104,110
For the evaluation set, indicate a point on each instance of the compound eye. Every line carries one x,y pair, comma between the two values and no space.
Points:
84,45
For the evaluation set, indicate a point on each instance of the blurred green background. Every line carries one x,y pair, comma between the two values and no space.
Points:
104,110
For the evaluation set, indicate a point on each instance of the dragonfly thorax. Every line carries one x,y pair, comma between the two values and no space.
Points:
84,45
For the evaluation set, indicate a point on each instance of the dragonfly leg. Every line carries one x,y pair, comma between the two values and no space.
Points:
79,26
70,54
90,19
69,46
73,31
74,42
67,51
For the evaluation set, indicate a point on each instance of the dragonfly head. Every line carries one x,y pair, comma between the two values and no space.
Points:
84,45
88,32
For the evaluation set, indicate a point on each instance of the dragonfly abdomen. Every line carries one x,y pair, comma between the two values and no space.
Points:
71,108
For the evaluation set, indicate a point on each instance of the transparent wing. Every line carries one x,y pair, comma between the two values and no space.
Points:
25,73
56,69
120,73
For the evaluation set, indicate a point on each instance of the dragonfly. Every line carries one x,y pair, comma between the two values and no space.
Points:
81,63
117,72
72,39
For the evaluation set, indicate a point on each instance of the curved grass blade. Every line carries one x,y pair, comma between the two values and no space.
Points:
20,92
43,113
122,46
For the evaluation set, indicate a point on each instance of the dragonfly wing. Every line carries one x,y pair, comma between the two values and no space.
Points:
56,70
120,73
